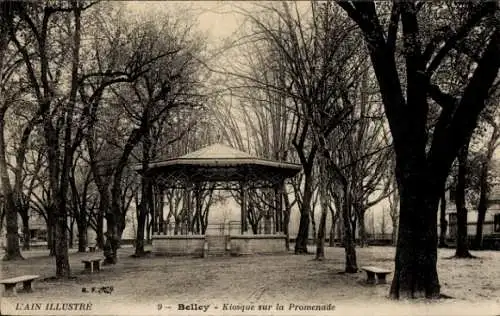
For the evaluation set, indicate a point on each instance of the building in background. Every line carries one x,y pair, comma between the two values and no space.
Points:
491,225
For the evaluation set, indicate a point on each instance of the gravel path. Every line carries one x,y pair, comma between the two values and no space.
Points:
283,279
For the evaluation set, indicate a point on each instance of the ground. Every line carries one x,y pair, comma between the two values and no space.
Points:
141,284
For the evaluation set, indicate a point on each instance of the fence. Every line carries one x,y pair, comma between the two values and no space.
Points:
224,228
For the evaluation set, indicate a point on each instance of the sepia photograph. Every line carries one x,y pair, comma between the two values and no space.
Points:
266,158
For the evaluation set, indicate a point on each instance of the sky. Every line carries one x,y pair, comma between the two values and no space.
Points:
215,17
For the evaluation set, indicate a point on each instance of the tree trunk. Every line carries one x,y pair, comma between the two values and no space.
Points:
313,228
145,187
59,203
353,226
82,234
119,231
114,217
340,226
99,174
141,228
415,272
394,213
61,249
149,229
50,232
13,250
303,235
478,239
71,234
177,225
323,189
286,220
482,206
100,229
349,238
320,242
421,175
481,214
394,231
331,242
443,223
59,174
111,244
2,217
26,229
362,228
462,248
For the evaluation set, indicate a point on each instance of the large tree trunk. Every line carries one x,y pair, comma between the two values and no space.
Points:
141,228
82,233
462,247
58,196
303,235
443,223
59,202
61,249
177,226
111,243
415,272
13,251
112,239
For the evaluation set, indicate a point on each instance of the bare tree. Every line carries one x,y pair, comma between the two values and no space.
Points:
45,96
422,169
486,158
9,195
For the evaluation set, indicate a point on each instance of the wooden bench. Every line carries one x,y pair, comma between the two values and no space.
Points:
380,272
10,284
92,264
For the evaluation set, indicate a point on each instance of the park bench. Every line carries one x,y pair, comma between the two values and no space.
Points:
10,284
372,271
92,264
